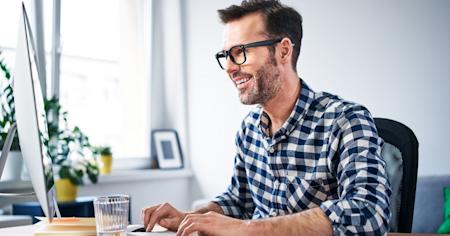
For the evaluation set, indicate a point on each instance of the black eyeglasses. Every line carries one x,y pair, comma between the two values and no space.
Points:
237,53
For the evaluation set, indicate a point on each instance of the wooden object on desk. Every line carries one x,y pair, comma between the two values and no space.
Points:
80,226
64,226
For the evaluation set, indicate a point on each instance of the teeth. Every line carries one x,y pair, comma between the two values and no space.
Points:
241,81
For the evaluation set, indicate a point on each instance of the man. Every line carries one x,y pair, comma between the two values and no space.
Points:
307,163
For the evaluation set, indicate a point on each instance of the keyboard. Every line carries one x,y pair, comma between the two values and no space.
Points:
136,230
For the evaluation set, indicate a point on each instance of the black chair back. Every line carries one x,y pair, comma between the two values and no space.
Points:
403,138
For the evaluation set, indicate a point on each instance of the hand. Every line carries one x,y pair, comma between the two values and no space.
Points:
212,223
163,214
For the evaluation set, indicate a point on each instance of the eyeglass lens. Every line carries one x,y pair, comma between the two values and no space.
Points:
236,54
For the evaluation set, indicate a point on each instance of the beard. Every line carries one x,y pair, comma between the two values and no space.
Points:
266,84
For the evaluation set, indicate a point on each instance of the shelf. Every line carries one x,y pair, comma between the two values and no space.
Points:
117,176
145,174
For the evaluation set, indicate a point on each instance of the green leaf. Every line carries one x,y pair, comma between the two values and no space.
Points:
79,173
8,89
93,177
64,172
75,179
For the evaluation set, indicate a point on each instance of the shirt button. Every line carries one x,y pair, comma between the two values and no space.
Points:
271,150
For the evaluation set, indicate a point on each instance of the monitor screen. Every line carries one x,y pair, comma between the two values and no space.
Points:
31,118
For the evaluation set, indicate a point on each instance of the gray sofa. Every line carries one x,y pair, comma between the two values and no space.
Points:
428,209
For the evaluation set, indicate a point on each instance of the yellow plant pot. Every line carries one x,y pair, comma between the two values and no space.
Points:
105,164
65,190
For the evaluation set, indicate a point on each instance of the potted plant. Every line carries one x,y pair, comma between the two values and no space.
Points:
105,158
70,152
14,162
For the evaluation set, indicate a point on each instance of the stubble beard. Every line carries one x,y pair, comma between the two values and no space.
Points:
266,85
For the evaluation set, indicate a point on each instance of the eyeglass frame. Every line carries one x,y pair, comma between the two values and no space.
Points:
226,53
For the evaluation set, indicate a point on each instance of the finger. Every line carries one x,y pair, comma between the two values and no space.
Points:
162,211
194,227
184,223
146,214
169,223
188,221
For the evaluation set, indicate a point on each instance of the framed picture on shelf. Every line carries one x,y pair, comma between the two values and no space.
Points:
166,146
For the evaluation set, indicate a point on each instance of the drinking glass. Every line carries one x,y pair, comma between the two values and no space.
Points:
111,215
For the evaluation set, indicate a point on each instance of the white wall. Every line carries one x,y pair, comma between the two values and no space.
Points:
391,56
145,192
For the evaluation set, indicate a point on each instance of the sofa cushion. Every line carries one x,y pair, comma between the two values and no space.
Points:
445,227
429,203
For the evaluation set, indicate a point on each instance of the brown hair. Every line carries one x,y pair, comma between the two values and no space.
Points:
280,20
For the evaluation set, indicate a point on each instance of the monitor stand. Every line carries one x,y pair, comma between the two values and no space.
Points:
4,156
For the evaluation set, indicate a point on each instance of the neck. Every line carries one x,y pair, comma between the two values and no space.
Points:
280,107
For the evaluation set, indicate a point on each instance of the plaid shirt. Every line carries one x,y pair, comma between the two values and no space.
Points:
327,155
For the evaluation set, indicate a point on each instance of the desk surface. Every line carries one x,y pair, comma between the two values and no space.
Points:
18,230
29,229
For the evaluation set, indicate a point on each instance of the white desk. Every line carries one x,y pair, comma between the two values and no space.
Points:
29,229
19,230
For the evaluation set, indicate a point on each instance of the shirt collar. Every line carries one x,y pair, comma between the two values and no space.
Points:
304,100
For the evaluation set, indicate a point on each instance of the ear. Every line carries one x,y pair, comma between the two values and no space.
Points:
286,48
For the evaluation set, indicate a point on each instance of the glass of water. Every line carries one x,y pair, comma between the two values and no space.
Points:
111,215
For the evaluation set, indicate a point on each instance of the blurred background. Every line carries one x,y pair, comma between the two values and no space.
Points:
128,67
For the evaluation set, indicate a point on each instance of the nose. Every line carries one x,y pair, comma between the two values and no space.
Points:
231,67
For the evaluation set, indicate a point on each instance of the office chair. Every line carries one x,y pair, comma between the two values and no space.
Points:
400,151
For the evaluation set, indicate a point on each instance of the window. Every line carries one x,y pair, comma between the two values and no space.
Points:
104,83
104,69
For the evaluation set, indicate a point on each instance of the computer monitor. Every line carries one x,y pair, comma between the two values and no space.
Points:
31,118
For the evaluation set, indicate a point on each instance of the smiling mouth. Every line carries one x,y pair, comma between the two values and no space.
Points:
240,83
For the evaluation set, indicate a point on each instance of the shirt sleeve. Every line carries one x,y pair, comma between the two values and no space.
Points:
237,201
364,190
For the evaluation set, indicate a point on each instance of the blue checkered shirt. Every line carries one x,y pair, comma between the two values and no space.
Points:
327,155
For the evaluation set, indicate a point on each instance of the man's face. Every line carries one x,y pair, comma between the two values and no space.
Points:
258,79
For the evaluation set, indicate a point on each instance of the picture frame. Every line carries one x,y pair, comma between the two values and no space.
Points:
167,149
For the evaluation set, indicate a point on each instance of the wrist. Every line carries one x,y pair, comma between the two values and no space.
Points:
256,227
210,206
